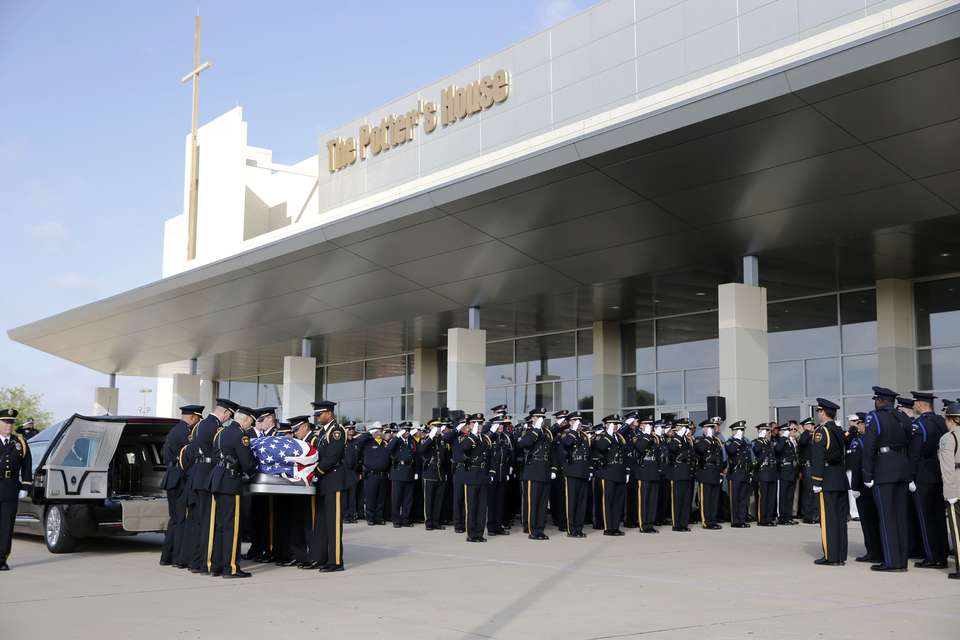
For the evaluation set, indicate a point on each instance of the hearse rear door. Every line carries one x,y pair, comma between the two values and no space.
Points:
79,464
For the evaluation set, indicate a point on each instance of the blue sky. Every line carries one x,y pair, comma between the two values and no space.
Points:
94,117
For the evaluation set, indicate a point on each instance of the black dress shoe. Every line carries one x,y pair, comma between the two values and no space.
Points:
807,521
739,525
288,563
825,562
239,574
923,564
216,574
330,568
428,527
493,532
397,525
383,522
616,532
438,527
4,566
503,531
481,539
648,530
201,571
681,528
864,558
179,566
459,530
883,567
308,566
165,563
787,522
538,536
953,576
713,526
766,524
371,523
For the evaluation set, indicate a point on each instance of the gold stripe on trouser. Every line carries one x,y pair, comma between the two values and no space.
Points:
466,511
703,515
213,528
313,511
603,492
270,519
673,506
530,506
566,499
640,504
236,531
823,525
337,533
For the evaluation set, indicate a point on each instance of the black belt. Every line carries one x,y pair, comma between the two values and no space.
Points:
202,460
832,464
371,472
891,449
7,474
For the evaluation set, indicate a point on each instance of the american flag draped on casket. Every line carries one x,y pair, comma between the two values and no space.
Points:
286,457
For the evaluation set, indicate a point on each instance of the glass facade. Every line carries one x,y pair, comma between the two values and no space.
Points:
553,371
671,364
379,389
262,391
937,312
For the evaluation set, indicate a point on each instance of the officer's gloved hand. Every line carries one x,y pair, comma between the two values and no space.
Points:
738,434
912,486
856,494
22,494
952,501
494,428
553,475
475,429
610,429
817,489
403,433
433,433
868,485
575,425
416,476
538,423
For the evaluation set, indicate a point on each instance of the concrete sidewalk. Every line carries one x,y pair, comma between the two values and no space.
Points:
410,583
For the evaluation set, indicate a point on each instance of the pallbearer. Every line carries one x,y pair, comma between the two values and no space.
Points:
174,481
261,514
830,484
680,474
326,548
16,473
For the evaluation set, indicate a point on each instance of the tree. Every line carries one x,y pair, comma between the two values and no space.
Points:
27,404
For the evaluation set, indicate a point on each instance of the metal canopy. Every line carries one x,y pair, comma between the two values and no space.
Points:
834,172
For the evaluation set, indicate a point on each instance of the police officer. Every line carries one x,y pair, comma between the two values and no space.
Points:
680,474
808,509
886,473
709,450
327,541
435,467
788,468
296,524
27,429
927,486
739,470
16,472
611,446
538,470
475,448
949,458
235,464
866,507
171,553
501,468
558,513
646,445
575,447
629,431
351,458
403,474
259,510
830,484
375,461
767,474
200,451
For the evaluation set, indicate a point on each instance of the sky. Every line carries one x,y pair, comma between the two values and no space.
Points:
93,118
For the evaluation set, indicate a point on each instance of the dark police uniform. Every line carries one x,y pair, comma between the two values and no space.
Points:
807,502
299,513
500,467
476,479
558,511
648,475
739,469
828,472
16,472
866,506
538,467
788,468
199,514
709,452
375,459
403,462
327,546
174,479
680,474
886,468
435,467
260,511
631,519
235,463
613,476
576,477
928,428
767,474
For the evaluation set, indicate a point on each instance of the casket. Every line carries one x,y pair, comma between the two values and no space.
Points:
266,484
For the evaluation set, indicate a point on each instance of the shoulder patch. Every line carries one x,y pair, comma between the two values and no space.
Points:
245,440
818,436
336,434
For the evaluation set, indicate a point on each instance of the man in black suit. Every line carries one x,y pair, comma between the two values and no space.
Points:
171,553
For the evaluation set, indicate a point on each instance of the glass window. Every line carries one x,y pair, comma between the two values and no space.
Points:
386,377
379,409
585,394
269,395
823,377
688,341
499,364
785,414
351,410
698,416
786,379
803,328
37,449
670,387
639,355
938,312
700,383
546,358
858,321
81,453
939,368
500,395
855,404
859,373
585,354
640,390
344,381
243,392
531,396
442,370
567,396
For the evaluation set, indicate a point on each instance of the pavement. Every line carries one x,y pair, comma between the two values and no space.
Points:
411,583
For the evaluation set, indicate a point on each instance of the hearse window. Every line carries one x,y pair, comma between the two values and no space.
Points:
82,451
37,449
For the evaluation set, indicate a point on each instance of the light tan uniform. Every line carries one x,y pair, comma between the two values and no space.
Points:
949,454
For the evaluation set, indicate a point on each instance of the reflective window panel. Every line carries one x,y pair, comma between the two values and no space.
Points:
700,383
786,379
687,342
548,357
640,390
639,355
860,373
939,368
823,377
585,354
938,312
387,377
499,364
858,321
670,387
344,381
803,328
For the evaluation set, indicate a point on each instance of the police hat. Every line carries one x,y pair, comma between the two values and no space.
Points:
376,425
705,423
350,424
475,417
539,412
923,396
905,402
8,415
739,425
861,416
806,421
227,404
192,410
322,405
247,411
613,417
883,393
823,403
361,428
953,409
264,412
501,419
500,408
574,415
390,428
296,421
563,414
635,415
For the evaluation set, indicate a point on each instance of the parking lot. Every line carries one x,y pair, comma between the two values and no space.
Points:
414,584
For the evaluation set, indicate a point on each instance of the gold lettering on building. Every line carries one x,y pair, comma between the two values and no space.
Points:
393,130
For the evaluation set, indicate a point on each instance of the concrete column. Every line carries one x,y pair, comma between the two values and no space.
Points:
105,401
896,338
607,369
744,361
466,369
299,385
426,383
185,390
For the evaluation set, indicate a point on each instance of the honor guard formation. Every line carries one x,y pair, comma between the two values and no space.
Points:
895,469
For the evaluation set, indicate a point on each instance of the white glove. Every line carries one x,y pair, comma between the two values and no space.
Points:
609,429
817,489
494,428
433,433
475,429
553,476
738,435
952,501
647,429
682,431
856,494
913,487
403,433
538,423
22,494
575,425
658,431
708,432
510,473
628,477
416,476
630,421
762,433
868,485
